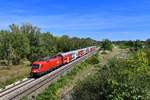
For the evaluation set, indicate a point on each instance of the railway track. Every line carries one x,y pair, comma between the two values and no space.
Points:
16,86
31,85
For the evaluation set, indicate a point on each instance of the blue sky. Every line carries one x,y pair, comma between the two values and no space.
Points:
97,19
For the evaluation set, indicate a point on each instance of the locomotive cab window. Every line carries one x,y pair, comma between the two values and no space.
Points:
35,66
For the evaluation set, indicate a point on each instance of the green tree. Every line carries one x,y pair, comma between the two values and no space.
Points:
137,45
106,45
26,41
19,43
147,43
6,50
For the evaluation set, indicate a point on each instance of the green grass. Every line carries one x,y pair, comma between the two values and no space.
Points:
123,46
10,81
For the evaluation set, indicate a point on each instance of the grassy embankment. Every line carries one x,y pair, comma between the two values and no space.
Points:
11,74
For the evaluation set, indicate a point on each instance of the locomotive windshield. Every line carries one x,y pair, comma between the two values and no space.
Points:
35,66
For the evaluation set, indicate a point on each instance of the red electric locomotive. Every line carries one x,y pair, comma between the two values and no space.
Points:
48,64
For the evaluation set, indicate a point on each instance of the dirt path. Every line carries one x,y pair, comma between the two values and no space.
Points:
64,93
116,52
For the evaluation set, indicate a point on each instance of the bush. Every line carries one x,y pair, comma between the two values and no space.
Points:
118,80
106,45
123,46
93,60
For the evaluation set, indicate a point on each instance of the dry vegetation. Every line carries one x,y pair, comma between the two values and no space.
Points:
13,73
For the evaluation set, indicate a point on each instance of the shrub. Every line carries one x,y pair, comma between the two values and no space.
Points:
118,80
93,60
106,45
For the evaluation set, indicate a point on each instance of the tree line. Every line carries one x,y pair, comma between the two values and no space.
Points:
27,42
132,45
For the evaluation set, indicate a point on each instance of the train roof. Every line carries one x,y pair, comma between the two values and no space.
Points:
74,51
